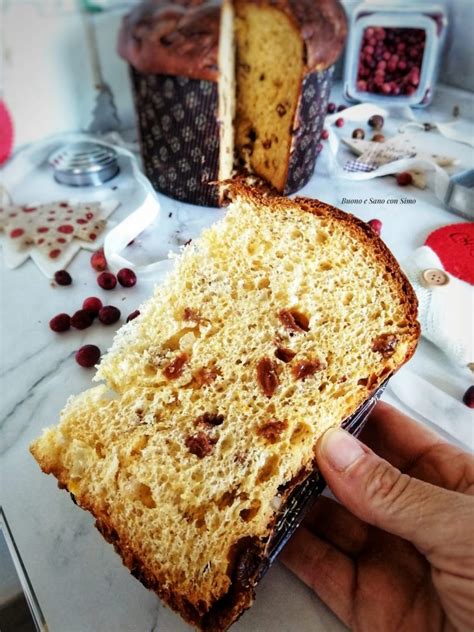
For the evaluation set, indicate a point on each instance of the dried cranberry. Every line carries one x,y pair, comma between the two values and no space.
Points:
468,397
339,122
133,315
82,319
107,280
98,261
87,356
375,225
325,134
126,277
92,304
331,108
62,277
59,323
109,314
404,179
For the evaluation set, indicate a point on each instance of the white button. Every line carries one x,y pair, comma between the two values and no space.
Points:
433,277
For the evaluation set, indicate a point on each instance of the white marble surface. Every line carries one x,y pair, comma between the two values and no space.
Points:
79,580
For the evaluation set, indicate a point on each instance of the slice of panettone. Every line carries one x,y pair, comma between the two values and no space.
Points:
277,323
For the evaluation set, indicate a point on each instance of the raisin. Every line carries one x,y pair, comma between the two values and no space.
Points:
385,344
272,430
204,376
306,368
368,381
191,314
200,444
209,419
252,135
294,320
267,376
266,144
285,355
175,368
281,109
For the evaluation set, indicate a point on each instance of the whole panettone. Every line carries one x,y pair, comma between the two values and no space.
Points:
214,81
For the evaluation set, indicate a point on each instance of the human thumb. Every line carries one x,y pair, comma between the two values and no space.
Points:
378,493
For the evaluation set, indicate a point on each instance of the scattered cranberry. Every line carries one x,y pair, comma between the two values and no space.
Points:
82,319
376,121
127,277
358,133
107,280
468,397
59,323
92,304
325,134
133,315
331,108
378,138
319,148
339,122
62,277
87,356
109,315
404,178
375,225
341,107
98,261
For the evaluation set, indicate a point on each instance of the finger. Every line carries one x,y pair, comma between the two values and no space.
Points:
378,493
324,569
331,521
416,450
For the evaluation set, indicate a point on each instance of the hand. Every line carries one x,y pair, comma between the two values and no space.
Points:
398,554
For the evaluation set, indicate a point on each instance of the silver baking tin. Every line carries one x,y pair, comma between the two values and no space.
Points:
459,196
303,497
84,164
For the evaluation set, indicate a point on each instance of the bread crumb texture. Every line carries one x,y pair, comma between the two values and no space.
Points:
277,323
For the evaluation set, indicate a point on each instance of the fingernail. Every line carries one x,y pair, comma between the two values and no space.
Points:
340,449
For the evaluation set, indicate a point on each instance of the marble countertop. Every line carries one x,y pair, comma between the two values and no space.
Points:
80,582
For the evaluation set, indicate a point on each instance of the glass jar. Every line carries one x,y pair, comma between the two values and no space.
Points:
393,52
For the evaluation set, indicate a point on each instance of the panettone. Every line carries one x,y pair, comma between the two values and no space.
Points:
277,324
215,80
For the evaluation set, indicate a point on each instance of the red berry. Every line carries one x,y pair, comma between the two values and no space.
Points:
98,261
107,280
92,304
375,225
404,178
60,323
127,277
331,108
133,315
339,122
62,277
82,319
325,134
88,355
468,397
109,314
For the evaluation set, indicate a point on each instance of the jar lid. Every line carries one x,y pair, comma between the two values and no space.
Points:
84,164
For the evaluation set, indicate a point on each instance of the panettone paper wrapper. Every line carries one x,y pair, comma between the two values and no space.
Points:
179,135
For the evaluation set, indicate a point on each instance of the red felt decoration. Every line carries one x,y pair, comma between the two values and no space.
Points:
454,245
6,133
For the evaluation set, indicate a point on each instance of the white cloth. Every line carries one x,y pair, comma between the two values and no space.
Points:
445,311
